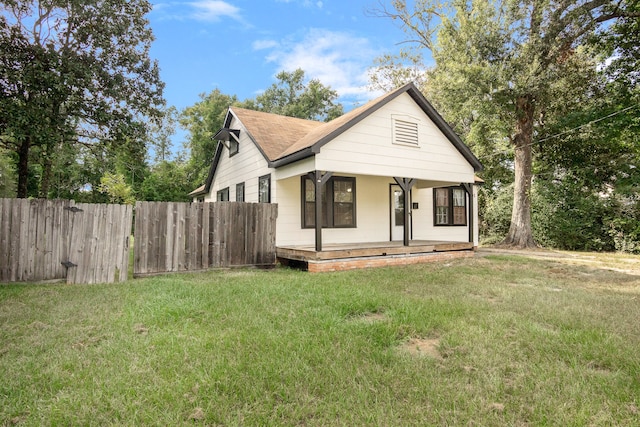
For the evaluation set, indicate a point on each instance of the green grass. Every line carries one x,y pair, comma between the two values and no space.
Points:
519,342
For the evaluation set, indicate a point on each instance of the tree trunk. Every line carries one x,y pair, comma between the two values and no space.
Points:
23,167
47,164
520,234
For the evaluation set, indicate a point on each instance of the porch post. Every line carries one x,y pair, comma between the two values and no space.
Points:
319,180
469,189
406,184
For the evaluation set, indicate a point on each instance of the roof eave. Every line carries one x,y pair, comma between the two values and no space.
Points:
197,193
292,158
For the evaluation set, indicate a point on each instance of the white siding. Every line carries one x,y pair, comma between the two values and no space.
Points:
372,214
423,228
367,148
246,166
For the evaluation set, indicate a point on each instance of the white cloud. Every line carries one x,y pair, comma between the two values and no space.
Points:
213,10
337,59
201,10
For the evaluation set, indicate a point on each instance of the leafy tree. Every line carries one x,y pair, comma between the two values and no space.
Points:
168,181
202,120
118,191
292,97
161,133
74,72
501,65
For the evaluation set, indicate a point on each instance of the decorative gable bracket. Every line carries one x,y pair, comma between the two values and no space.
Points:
227,135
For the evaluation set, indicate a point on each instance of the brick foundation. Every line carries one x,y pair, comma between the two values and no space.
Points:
384,261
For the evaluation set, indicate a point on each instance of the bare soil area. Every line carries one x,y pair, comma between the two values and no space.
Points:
621,263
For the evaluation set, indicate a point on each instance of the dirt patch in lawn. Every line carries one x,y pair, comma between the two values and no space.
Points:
604,261
423,347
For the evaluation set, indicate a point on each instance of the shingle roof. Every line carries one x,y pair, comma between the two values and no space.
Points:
274,134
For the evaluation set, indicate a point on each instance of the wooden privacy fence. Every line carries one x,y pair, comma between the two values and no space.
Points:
195,236
58,239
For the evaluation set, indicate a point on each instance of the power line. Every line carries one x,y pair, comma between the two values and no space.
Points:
565,132
587,124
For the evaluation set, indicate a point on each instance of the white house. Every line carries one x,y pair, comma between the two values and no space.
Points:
366,167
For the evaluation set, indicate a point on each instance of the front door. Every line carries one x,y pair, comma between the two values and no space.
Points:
397,213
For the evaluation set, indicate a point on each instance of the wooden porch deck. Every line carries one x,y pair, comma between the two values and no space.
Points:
375,249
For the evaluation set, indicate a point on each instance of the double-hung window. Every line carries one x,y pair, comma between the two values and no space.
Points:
338,203
450,206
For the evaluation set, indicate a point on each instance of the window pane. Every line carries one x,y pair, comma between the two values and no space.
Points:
458,197
309,191
459,215
309,214
263,189
233,147
398,200
223,195
442,197
342,191
342,214
240,192
442,215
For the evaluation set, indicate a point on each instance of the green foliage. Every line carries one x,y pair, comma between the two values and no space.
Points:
114,185
624,226
75,73
7,176
495,213
390,72
168,181
291,96
569,215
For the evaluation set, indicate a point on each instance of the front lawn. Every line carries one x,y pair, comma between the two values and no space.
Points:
501,340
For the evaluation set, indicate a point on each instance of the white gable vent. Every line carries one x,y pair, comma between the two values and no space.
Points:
405,131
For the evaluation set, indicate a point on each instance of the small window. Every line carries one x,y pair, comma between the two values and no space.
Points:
240,192
264,189
223,195
338,203
405,131
450,206
234,147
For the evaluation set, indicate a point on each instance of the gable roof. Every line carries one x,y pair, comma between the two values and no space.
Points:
272,133
283,140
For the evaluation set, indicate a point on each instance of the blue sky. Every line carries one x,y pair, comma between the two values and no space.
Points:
238,46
